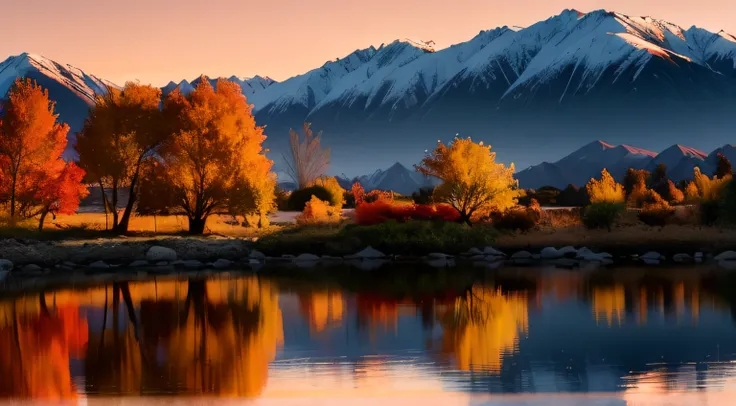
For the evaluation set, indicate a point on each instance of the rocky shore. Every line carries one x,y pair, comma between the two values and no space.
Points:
29,258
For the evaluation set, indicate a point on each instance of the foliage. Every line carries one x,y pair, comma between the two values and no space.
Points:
381,211
635,180
473,183
34,180
156,195
330,184
656,212
253,197
124,129
728,204
215,153
605,190
358,193
299,198
573,196
659,175
308,160
723,167
282,199
674,195
691,192
378,195
602,215
560,218
317,211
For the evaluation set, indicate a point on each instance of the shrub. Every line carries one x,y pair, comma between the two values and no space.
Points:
423,196
709,212
655,211
605,190
299,198
317,211
381,211
573,196
560,218
602,215
330,184
516,218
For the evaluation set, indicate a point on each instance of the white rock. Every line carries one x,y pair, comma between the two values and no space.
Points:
650,261
680,258
367,264
522,255
441,263
6,265
698,255
99,265
157,254
222,264
138,263
653,255
257,255
493,251
307,258
477,258
567,250
475,251
162,263
550,253
253,261
438,255
32,268
605,255
725,256
582,252
368,253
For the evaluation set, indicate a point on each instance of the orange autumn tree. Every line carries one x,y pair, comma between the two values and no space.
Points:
123,130
34,180
473,183
214,154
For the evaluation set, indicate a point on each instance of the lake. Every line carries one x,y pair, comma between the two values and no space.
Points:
397,336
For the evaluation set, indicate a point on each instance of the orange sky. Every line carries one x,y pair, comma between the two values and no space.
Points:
155,41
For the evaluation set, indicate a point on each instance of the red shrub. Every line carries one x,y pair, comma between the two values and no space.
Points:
382,210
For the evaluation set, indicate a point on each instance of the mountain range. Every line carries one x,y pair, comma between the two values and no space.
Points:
533,93
588,162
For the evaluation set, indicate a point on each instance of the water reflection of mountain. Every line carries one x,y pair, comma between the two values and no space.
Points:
516,330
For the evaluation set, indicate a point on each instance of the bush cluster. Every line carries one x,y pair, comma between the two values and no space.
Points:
381,211
602,215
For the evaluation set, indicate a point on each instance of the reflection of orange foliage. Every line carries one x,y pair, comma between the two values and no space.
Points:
321,308
483,327
374,312
609,304
35,351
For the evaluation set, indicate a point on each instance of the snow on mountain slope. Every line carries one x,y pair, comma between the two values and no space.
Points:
82,84
312,87
366,84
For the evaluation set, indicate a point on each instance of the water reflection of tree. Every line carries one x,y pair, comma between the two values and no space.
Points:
482,327
218,340
36,343
322,308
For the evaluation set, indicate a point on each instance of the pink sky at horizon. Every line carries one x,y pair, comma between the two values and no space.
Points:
155,41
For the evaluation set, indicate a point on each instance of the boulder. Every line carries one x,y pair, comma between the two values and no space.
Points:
727,264
32,268
522,255
726,256
475,251
162,263
439,255
479,257
568,251
680,258
222,264
493,251
138,263
367,264
650,261
307,258
6,265
257,255
367,253
99,265
158,254
652,255
193,264
550,253
441,262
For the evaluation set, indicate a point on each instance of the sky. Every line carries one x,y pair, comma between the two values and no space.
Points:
156,41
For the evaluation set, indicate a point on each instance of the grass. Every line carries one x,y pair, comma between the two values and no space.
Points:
92,225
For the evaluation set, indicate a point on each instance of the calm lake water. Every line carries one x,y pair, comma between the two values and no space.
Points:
513,336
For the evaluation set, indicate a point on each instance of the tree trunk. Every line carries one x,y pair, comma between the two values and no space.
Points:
122,227
263,220
104,203
114,206
196,225
40,221
465,218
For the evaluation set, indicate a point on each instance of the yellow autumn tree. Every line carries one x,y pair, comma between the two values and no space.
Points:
337,193
605,190
472,181
709,189
215,148
691,192
123,130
